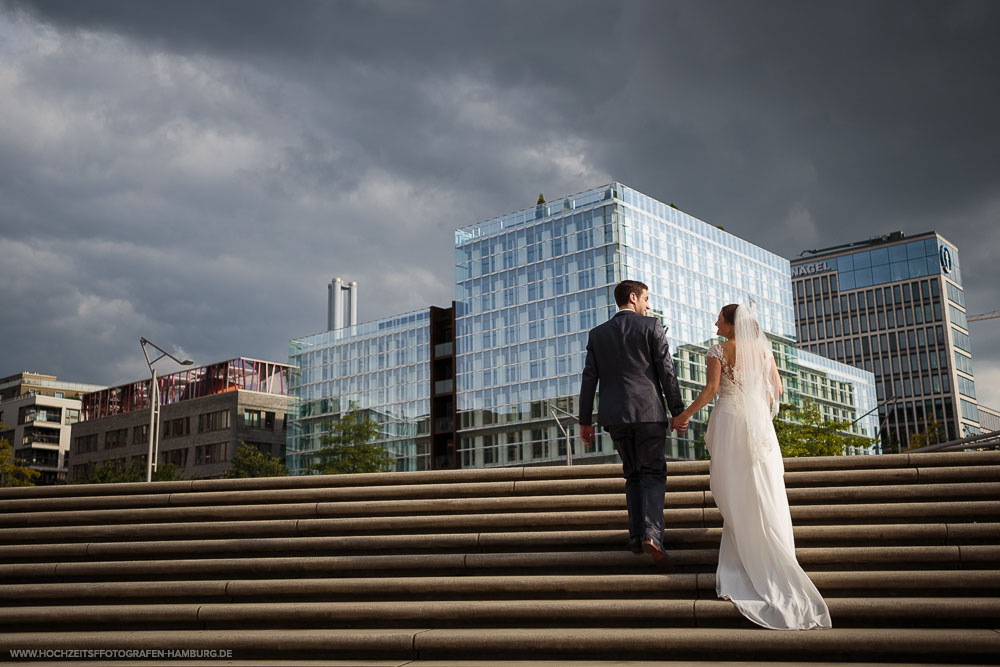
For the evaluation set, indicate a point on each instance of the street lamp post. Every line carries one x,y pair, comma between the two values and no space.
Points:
154,403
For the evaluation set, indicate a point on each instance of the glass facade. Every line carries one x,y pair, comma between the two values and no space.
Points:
381,368
529,286
895,308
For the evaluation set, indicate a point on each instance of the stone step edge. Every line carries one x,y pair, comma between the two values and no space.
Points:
424,642
842,495
957,556
407,662
637,585
944,459
693,610
582,486
291,527
940,534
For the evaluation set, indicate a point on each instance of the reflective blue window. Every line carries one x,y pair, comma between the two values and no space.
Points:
862,260
897,253
899,271
915,249
918,267
881,274
847,280
863,278
880,256
845,263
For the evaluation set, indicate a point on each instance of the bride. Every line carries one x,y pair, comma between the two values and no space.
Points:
758,570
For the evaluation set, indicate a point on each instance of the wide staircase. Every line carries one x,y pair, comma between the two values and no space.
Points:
498,566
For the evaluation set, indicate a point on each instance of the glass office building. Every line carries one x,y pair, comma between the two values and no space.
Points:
498,384
895,306
530,285
380,368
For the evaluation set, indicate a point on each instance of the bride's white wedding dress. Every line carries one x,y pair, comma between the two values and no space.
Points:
758,570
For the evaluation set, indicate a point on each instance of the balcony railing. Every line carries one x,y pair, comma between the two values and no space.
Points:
444,386
444,349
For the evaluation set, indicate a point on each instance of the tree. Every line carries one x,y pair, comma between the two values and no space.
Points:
12,470
109,472
929,436
541,199
349,449
802,431
248,461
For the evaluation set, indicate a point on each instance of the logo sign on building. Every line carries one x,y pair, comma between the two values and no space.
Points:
810,269
946,262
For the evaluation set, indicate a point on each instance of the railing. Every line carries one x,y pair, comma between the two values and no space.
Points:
569,441
991,439
444,386
444,424
444,349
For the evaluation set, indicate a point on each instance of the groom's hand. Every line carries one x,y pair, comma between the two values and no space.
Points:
680,425
587,435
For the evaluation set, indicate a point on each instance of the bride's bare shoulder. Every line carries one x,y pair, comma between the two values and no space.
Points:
729,349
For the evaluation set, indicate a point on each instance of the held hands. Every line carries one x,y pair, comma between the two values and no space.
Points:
679,424
587,435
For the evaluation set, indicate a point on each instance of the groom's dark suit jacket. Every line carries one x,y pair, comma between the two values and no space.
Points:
629,357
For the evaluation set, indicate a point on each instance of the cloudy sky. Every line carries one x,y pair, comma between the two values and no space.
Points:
197,172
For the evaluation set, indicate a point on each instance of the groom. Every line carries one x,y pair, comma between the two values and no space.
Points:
628,356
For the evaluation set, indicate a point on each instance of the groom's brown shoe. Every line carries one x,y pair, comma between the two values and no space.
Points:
656,551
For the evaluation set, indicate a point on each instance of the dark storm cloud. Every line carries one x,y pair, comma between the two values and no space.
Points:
203,169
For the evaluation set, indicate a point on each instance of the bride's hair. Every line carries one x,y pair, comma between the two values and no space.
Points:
729,315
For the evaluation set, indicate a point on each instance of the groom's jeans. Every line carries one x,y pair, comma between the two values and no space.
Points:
641,447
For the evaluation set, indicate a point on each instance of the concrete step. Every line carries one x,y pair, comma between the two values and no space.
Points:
936,534
699,560
871,584
845,612
406,662
807,484
858,513
844,644
474,505
921,465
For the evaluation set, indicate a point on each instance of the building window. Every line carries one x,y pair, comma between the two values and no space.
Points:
177,457
956,294
969,410
86,443
116,438
213,421
966,387
72,416
175,428
140,433
961,340
205,454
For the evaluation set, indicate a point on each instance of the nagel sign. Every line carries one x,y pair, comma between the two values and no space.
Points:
810,269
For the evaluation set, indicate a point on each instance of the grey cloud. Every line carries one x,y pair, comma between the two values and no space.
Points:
224,160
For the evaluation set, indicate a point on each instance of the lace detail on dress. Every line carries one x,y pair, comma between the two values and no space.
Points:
727,383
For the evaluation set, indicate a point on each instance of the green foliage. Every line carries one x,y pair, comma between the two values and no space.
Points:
349,449
12,472
109,472
929,436
802,431
251,462
541,199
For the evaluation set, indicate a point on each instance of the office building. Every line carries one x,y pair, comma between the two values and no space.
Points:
205,413
894,306
38,412
484,383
